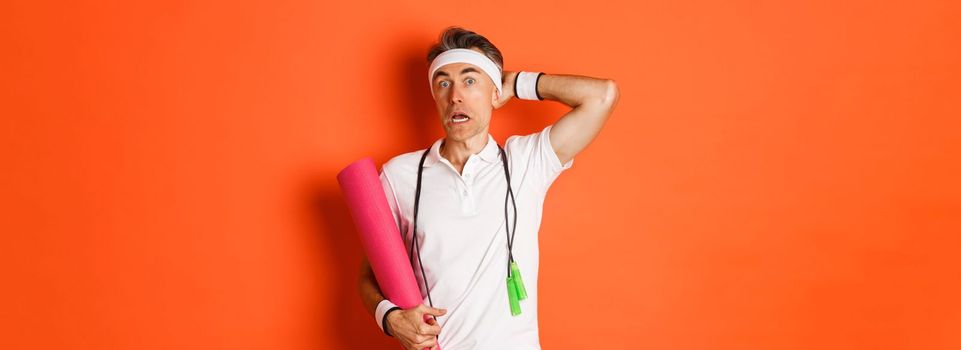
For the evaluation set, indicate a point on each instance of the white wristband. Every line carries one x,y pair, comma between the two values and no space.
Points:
382,309
525,85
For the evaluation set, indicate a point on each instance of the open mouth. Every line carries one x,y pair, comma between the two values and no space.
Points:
457,118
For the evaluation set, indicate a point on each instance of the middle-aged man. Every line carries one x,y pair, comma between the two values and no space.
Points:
476,237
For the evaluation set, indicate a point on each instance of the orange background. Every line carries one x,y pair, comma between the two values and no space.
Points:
776,175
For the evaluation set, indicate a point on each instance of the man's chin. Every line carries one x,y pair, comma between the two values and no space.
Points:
460,134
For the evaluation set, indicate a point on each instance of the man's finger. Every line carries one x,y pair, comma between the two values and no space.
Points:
435,311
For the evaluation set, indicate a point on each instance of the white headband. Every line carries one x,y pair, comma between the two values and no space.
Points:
465,56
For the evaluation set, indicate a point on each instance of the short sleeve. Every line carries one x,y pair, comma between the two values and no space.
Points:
536,156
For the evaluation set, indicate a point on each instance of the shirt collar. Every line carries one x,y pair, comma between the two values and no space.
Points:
490,153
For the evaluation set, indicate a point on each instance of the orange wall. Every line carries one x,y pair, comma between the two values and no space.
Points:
778,175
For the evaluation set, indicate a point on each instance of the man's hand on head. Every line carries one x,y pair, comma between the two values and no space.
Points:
410,329
508,87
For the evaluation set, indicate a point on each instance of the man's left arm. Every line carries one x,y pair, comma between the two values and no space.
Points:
592,100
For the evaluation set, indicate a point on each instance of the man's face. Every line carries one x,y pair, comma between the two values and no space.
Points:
465,97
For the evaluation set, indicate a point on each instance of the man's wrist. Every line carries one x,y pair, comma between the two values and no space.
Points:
384,308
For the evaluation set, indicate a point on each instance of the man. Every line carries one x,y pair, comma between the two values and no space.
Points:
461,250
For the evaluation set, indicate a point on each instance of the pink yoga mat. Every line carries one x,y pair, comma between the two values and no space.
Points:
379,233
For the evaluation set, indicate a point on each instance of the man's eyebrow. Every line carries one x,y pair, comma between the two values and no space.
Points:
441,73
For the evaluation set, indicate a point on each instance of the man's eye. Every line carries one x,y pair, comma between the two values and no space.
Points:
444,83
470,81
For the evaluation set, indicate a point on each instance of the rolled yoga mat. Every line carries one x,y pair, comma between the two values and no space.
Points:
379,233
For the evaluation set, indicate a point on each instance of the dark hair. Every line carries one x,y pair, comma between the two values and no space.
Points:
460,38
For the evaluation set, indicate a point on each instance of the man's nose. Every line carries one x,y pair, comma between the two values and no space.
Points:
455,94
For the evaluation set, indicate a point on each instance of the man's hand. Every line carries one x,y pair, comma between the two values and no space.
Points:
508,89
410,329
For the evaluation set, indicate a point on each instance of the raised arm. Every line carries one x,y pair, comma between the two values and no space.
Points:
592,100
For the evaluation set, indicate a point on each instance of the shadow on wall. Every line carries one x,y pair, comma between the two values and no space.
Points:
424,127
355,328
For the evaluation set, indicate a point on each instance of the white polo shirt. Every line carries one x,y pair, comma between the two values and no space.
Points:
462,239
